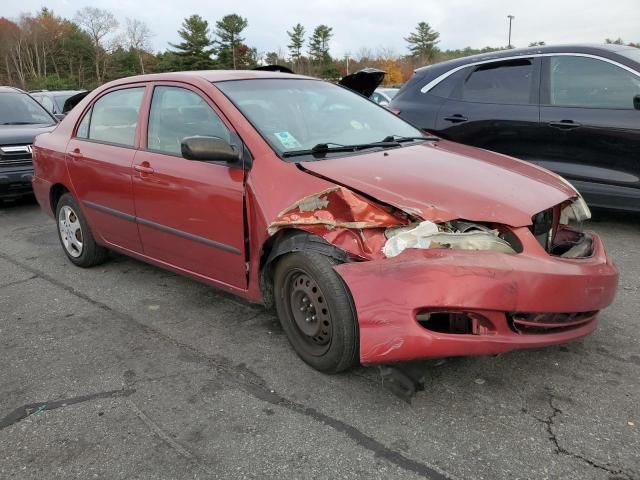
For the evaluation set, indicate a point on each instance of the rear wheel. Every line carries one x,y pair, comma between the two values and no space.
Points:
316,312
75,236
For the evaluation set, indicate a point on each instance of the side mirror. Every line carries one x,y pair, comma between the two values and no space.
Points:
59,116
209,149
636,102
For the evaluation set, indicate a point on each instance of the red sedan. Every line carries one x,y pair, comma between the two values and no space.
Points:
375,242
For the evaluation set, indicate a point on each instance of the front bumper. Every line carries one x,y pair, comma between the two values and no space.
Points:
388,294
15,181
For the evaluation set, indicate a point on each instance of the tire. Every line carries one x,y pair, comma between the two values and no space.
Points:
75,235
316,311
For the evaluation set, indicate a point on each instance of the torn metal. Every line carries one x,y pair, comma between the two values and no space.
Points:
369,231
343,218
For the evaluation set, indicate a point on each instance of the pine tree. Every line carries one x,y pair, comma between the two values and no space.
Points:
319,44
297,42
228,31
422,43
194,53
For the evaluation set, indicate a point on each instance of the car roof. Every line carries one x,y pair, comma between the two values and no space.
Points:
212,76
604,49
7,89
64,92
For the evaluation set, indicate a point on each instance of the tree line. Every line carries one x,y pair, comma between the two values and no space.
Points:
46,51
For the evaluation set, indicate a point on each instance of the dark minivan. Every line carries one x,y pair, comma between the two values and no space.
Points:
572,109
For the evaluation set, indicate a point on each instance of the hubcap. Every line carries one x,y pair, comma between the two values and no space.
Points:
310,311
70,231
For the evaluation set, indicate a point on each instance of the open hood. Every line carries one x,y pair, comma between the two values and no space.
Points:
274,68
364,81
73,101
445,181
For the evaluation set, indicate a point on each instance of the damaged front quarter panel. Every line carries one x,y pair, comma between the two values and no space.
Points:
344,219
369,231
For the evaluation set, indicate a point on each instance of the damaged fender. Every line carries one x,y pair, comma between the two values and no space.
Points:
344,219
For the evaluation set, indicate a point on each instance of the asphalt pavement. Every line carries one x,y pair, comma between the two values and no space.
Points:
128,371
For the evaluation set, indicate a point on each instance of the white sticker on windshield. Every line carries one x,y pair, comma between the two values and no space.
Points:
287,140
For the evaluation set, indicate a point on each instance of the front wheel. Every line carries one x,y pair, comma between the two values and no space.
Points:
75,236
316,312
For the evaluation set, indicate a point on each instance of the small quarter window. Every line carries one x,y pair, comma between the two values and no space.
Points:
83,127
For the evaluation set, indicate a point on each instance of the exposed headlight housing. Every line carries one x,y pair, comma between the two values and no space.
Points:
577,211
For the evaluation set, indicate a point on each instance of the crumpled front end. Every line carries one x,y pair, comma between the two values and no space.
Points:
440,302
451,287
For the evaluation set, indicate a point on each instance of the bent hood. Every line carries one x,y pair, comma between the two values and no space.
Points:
444,181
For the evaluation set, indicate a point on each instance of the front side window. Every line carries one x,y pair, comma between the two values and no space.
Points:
591,83
177,113
114,117
18,108
295,115
508,82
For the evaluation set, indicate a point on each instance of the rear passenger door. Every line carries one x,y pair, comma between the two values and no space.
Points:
591,131
99,160
190,213
494,106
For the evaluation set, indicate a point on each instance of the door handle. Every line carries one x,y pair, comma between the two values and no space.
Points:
457,118
75,153
564,125
143,168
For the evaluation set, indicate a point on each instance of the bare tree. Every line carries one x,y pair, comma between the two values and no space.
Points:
97,23
137,37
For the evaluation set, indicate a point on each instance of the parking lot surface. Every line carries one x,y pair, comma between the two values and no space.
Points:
129,371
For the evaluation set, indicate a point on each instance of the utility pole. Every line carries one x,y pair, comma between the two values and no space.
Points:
510,17
346,58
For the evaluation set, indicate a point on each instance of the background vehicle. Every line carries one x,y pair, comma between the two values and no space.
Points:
21,119
383,96
572,109
54,100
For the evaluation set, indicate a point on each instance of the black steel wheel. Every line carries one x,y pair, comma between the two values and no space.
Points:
316,312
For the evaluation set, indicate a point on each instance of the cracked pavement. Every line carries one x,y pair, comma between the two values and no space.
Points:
129,371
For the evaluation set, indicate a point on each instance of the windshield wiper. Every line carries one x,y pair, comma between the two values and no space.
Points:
400,138
322,148
17,123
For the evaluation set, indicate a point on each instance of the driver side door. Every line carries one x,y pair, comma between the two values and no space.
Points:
590,129
190,213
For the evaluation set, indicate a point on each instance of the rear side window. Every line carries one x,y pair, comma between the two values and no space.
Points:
591,83
448,87
114,117
501,82
177,113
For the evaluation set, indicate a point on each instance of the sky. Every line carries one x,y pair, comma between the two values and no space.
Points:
377,24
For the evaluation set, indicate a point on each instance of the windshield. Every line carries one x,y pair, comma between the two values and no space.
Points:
294,115
20,109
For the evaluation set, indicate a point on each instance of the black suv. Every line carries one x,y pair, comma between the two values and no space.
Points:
21,119
572,109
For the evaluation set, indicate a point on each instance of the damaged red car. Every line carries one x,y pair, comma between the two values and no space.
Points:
375,242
